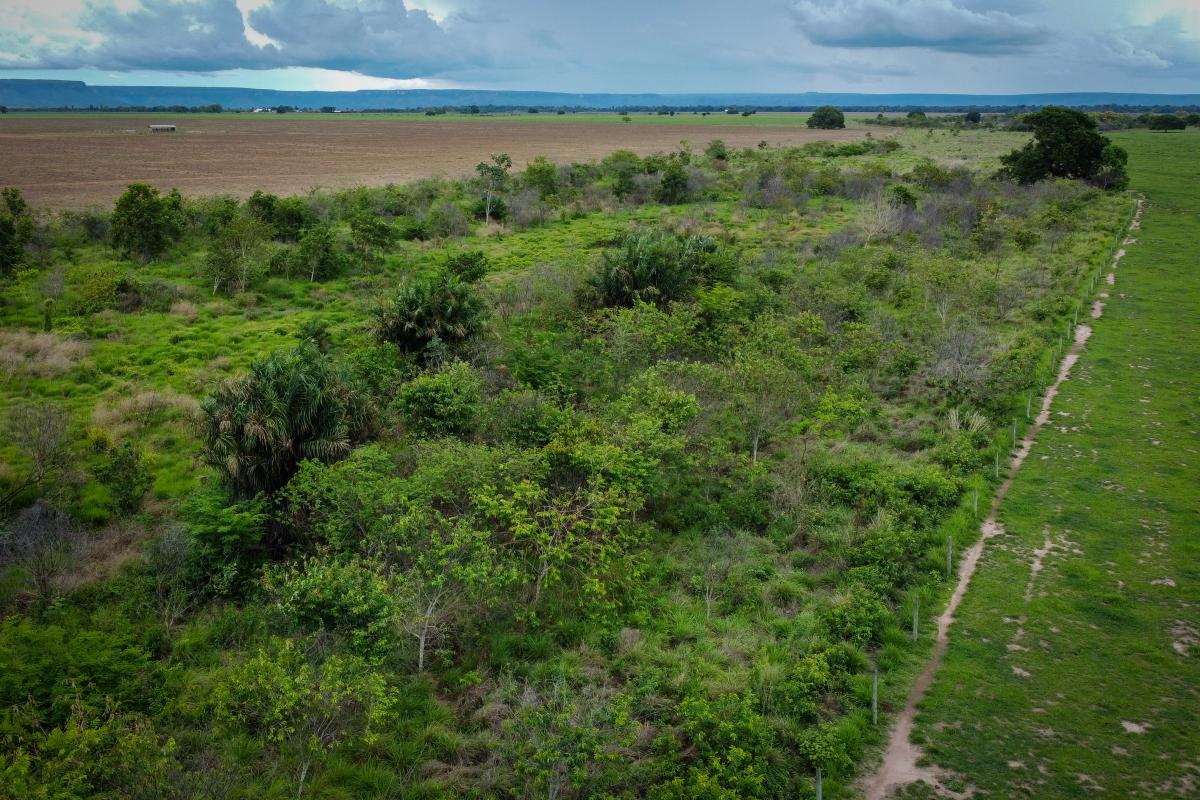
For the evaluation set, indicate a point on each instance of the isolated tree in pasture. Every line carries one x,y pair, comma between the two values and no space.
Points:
973,117
494,176
292,405
144,223
827,117
440,307
1166,122
1065,144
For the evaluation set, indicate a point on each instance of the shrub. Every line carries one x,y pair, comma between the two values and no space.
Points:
650,267
443,403
441,308
126,476
469,266
227,540
348,597
673,183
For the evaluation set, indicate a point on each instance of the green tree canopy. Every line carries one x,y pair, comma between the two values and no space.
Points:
827,117
1065,144
144,224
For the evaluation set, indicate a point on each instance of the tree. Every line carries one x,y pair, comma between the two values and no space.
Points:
370,232
560,741
542,176
440,307
672,184
585,534
440,563
303,707
291,405
237,256
39,432
318,255
145,224
972,117
12,248
495,179
1166,122
1065,144
44,542
1112,173
827,117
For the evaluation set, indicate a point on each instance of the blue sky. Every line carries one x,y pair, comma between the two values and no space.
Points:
1006,46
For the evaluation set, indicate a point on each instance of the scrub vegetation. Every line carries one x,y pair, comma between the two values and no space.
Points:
610,479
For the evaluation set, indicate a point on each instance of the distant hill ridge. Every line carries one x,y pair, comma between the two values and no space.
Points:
45,94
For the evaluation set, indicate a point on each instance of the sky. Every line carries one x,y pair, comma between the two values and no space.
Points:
970,46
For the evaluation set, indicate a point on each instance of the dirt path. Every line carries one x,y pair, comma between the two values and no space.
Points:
900,761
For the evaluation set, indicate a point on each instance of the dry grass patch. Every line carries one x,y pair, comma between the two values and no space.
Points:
39,355
142,409
185,309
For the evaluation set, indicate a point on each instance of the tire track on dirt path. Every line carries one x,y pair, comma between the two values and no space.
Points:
900,766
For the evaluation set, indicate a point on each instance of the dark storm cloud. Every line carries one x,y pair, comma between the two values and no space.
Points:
957,27
377,37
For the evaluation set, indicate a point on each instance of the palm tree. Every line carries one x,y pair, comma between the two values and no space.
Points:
291,406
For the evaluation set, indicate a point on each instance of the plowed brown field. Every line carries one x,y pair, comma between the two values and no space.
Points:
80,160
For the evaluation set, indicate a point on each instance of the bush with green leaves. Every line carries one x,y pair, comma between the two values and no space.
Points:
127,477
440,307
318,254
469,266
732,744
291,405
144,224
650,266
672,187
302,706
348,596
443,403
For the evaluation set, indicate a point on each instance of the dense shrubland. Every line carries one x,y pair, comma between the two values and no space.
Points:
606,480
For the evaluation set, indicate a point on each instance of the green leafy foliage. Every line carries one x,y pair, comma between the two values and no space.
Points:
144,224
827,117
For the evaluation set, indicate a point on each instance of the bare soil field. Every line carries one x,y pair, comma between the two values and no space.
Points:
74,161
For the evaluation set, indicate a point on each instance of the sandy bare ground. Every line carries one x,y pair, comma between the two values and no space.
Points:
78,160
900,761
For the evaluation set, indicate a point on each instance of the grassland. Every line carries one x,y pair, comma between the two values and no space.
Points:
1085,684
